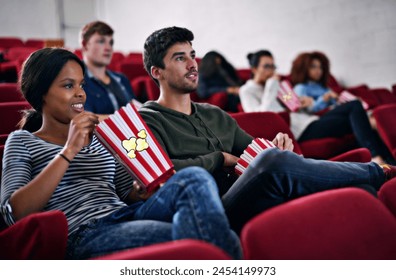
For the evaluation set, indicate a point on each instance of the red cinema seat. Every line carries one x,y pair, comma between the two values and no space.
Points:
268,124
264,125
136,57
244,74
12,112
132,69
14,60
385,117
187,249
78,52
334,84
10,42
387,194
139,88
363,92
9,92
40,236
383,95
116,59
19,53
35,43
342,224
328,147
1,168
220,99
152,90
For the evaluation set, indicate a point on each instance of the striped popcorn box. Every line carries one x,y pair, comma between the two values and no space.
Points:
346,96
128,138
288,97
253,149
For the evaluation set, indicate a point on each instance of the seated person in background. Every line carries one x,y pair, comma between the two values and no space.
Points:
218,75
197,134
309,75
260,94
106,90
63,166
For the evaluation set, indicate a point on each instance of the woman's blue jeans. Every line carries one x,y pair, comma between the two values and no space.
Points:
276,176
186,206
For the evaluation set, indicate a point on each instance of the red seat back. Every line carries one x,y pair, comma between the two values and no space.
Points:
132,69
19,53
334,85
78,52
339,224
152,89
244,74
181,250
220,99
1,168
139,88
387,194
35,43
383,95
265,125
385,117
364,93
135,57
9,92
12,112
116,60
39,236
10,42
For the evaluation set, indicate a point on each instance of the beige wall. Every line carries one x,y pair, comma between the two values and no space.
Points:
359,36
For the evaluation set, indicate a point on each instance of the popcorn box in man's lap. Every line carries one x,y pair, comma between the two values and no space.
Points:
128,138
253,149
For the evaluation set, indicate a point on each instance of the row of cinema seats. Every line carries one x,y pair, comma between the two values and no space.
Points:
340,224
14,51
11,103
131,65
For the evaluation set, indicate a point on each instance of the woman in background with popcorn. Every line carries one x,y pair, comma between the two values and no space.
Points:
62,166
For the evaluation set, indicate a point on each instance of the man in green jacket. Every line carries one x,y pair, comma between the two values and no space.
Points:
203,135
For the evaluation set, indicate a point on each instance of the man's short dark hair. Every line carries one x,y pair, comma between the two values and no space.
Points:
158,43
94,27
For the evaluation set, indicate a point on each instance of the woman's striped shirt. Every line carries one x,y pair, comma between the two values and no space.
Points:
92,187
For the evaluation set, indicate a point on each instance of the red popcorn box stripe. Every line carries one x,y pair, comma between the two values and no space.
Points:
252,150
128,138
346,96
